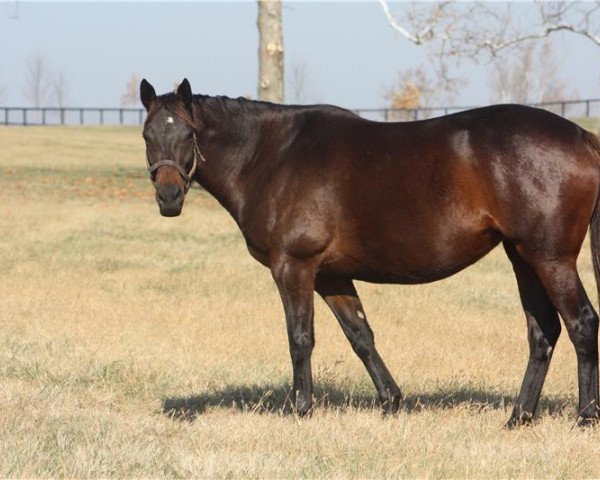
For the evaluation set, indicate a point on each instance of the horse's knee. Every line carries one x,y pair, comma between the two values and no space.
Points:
302,343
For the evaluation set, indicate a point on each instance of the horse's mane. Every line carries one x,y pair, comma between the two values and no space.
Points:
233,107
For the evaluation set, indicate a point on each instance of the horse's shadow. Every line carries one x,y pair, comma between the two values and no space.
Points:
276,399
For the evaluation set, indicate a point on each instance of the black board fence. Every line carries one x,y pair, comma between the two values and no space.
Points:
71,116
588,108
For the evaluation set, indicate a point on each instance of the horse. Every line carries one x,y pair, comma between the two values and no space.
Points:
324,197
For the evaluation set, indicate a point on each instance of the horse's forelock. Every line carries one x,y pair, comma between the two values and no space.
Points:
173,105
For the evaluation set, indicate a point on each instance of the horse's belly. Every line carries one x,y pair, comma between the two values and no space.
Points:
422,260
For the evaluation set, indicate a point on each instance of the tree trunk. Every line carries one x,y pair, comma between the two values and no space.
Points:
270,51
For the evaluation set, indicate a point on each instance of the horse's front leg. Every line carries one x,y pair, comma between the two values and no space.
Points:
296,281
343,300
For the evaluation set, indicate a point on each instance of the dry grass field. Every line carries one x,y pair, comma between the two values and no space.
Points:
133,345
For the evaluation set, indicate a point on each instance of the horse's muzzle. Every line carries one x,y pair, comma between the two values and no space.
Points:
170,200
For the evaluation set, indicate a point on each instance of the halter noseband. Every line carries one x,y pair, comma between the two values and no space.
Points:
188,177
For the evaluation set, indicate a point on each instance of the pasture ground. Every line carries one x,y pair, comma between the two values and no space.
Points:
137,346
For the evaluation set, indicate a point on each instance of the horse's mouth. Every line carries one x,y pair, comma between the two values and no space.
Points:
170,210
170,200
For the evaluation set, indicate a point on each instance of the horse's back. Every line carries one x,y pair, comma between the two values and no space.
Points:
418,201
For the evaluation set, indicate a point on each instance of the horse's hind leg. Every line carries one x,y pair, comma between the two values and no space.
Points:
543,329
340,295
566,291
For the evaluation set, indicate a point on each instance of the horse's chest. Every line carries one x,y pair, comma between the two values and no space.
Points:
260,256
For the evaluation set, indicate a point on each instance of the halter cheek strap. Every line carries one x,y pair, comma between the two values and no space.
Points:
188,177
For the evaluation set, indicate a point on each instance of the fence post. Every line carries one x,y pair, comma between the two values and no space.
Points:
587,109
562,108
43,116
81,116
101,116
6,110
24,116
140,114
62,116
416,114
120,116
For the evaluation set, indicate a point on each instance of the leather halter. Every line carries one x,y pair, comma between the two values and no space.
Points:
188,177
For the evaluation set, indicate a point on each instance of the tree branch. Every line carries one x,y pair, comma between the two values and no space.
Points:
424,36
545,32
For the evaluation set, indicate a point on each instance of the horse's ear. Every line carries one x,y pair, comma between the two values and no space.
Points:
147,94
184,92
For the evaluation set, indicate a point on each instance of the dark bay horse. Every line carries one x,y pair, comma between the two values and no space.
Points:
323,197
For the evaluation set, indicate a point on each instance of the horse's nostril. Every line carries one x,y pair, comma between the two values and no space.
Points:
169,193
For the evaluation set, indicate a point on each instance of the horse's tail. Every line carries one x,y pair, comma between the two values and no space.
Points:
593,144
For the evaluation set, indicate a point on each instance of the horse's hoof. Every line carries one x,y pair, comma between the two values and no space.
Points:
516,421
391,405
303,410
587,422
302,413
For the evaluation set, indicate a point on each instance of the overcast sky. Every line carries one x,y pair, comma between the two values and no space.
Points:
350,53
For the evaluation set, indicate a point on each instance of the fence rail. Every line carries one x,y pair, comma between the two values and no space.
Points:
588,108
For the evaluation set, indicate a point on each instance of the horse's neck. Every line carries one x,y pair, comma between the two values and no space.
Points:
229,150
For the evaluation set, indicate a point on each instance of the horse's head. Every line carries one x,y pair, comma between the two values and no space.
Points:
171,152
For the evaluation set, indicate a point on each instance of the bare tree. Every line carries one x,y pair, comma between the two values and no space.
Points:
456,29
531,77
299,84
507,29
37,84
476,31
130,97
14,14
60,89
270,51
